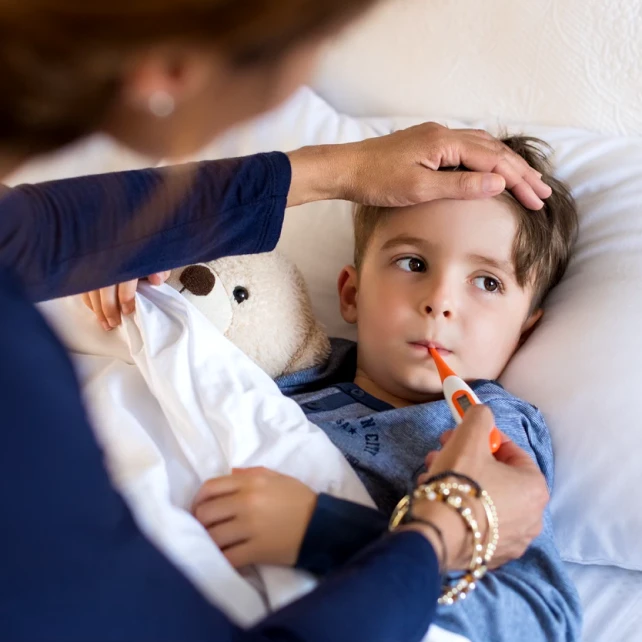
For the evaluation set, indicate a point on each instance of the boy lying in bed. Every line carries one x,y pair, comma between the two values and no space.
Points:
469,278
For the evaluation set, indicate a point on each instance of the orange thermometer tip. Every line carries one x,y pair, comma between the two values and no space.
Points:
442,367
445,371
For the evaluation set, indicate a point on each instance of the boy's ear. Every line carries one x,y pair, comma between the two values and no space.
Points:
530,324
347,285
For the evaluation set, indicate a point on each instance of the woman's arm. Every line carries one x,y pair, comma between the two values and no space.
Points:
70,236
75,565
81,234
380,598
337,531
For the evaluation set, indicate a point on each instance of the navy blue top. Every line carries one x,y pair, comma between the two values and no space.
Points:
73,564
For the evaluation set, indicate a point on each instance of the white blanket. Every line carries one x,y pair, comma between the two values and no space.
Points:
175,403
187,406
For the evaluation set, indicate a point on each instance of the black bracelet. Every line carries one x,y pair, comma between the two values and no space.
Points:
409,518
451,473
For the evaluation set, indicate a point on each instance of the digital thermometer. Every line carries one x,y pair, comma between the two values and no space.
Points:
460,397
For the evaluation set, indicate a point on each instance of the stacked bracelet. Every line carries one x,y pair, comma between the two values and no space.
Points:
457,496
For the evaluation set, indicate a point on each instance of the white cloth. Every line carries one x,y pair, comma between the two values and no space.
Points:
174,403
192,406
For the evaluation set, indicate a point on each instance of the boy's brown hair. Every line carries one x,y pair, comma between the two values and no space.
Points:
544,238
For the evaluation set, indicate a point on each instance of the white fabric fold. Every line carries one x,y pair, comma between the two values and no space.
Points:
187,405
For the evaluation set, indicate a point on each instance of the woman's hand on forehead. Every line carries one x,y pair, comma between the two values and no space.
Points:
402,169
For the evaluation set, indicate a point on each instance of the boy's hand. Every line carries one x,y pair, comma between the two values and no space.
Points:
255,515
108,303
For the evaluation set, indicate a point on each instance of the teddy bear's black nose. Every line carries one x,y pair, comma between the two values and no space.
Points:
198,279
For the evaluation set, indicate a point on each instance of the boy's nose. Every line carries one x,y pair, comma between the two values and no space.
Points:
438,310
438,299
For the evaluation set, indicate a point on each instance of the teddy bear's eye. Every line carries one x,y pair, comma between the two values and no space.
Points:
240,294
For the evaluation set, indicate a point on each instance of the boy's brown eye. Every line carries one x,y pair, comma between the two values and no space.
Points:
490,284
416,265
411,264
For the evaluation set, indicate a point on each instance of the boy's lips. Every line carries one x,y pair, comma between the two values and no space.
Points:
425,345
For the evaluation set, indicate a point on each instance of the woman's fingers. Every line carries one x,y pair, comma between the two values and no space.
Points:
159,278
528,174
402,169
84,297
480,152
127,296
468,443
519,177
512,455
96,306
110,305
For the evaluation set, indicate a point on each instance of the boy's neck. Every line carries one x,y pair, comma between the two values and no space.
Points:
366,384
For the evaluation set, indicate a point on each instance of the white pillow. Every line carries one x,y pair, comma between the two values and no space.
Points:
582,367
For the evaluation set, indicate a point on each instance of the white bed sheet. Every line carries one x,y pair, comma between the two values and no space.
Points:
612,600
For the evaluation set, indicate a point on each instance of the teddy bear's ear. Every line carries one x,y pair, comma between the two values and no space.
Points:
314,350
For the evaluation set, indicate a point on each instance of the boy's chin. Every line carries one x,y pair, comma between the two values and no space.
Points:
423,391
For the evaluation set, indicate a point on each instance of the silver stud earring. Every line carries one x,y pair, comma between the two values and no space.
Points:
161,103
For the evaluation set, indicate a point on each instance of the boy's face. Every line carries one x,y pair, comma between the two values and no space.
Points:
440,274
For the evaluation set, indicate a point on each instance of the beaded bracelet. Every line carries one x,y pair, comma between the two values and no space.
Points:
454,495
451,473
493,526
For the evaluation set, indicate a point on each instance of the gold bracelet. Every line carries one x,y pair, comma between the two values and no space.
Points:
493,526
453,494
456,495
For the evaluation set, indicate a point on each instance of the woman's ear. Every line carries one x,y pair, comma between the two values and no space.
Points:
176,73
347,285
530,324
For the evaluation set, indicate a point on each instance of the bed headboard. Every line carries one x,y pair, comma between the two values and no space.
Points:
571,63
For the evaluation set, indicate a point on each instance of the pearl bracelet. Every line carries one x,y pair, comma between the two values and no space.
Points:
455,495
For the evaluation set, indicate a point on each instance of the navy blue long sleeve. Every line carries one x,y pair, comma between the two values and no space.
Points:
74,565
337,531
70,236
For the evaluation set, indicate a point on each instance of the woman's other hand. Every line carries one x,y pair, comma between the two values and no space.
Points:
511,478
110,303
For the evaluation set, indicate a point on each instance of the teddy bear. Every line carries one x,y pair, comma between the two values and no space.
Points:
260,302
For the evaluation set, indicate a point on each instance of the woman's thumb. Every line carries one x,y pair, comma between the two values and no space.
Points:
471,437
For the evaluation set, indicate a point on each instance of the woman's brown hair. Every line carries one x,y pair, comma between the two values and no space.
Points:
61,61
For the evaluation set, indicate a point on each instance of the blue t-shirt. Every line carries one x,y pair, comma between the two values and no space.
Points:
528,599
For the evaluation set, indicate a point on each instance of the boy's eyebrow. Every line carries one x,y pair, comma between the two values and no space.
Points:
404,239
505,266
